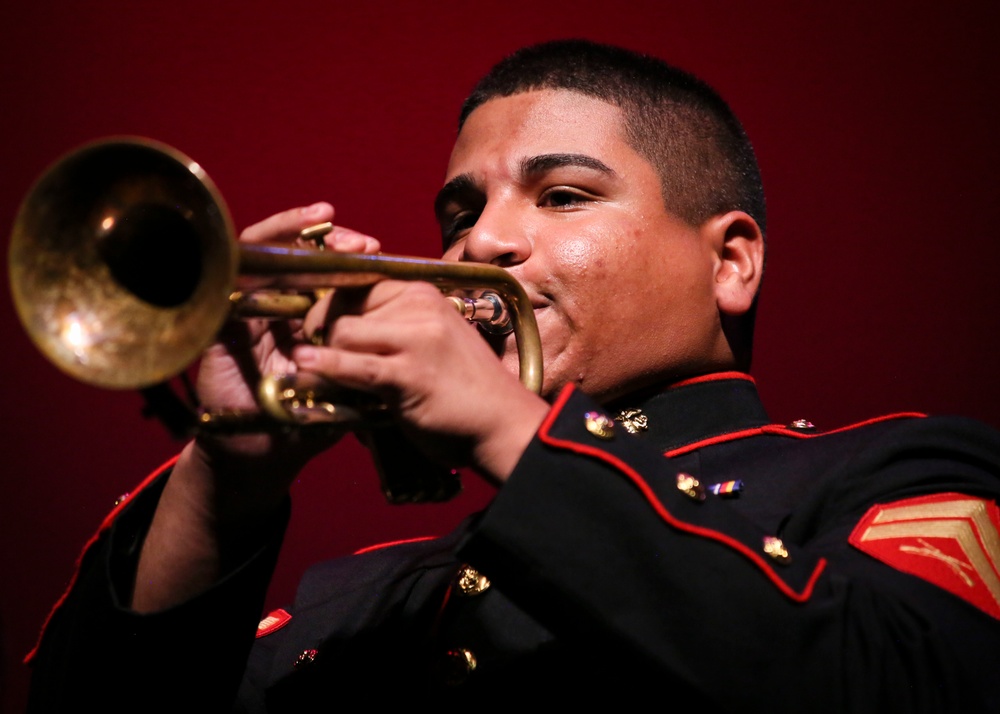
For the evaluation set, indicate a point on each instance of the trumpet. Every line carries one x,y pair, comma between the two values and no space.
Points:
124,266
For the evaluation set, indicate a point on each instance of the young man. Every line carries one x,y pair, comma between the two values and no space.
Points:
653,533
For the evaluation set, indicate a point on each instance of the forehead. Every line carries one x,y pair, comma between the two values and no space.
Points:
504,130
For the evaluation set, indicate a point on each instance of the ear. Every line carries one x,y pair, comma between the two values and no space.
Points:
738,244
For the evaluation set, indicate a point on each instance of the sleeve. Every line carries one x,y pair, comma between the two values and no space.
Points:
95,651
600,540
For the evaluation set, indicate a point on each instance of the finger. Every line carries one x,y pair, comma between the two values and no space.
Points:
359,334
347,240
316,320
399,295
354,370
393,297
331,305
287,224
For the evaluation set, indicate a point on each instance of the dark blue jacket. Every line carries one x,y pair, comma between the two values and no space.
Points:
846,571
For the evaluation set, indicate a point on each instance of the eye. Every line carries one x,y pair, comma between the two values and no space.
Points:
453,227
563,198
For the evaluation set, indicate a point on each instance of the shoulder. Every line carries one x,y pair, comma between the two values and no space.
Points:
942,444
391,566
952,452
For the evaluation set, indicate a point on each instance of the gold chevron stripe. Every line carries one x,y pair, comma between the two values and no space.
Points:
971,508
960,520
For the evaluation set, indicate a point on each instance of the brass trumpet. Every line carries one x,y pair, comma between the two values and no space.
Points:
124,266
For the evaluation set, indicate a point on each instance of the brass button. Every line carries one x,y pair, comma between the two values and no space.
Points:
690,486
456,665
802,425
470,581
600,425
305,657
776,549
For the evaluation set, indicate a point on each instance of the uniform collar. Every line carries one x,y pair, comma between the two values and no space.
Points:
692,410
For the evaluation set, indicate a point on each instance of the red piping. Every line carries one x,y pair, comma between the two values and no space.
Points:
105,525
389,544
782,430
715,377
661,510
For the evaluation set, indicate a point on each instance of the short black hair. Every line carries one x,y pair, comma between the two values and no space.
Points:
676,121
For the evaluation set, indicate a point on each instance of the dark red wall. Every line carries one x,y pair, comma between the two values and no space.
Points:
875,124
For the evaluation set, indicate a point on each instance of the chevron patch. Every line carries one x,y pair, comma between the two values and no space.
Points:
949,539
274,621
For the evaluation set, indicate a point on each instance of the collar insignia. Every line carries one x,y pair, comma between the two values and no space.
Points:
633,420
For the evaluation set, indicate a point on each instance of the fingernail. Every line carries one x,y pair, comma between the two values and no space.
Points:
314,210
350,242
305,356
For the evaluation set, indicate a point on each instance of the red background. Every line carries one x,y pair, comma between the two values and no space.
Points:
875,125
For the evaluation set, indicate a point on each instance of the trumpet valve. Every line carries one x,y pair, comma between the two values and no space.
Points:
487,310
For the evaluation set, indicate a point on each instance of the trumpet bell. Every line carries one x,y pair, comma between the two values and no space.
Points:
117,271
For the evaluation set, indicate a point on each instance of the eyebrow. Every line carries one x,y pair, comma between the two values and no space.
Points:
461,184
535,165
529,167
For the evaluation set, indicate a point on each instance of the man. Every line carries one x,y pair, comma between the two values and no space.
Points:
709,557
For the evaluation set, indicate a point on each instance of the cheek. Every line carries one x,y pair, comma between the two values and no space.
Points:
578,255
583,266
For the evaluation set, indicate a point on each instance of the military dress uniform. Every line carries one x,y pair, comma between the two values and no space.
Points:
679,546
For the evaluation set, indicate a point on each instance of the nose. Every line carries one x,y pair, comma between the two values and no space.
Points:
497,238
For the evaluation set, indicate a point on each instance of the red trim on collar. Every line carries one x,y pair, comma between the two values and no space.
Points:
782,430
662,511
557,406
389,544
105,525
714,377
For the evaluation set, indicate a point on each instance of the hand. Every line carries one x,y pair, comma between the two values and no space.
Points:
402,342
231,369
223,488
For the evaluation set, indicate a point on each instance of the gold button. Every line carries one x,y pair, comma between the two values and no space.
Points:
776,549
470,581
802,425
456,665
600,425
305,657
690,486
